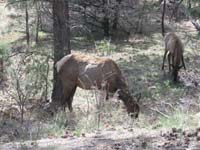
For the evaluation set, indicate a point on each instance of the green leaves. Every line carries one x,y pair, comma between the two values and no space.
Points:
195,11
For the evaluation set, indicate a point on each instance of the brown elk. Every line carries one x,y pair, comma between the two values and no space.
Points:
86,72
174,48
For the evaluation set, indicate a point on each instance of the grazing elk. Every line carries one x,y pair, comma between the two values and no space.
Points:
86,72
174,48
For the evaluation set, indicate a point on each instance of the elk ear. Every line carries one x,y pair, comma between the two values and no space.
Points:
138,96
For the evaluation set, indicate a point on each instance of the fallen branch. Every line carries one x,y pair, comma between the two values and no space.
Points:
156,110
169,105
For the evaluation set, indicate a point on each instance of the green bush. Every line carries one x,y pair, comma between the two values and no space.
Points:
4,54
178,119
195,12
4,50
105,47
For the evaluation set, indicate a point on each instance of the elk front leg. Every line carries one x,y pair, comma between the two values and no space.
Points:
164,59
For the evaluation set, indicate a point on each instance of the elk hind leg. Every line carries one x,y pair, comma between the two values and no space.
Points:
69,92
169,58
70,99
183,62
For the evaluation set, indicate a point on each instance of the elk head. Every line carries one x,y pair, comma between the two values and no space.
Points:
132,106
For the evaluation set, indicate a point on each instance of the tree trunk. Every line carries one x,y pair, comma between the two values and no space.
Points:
163,19
106,27
84,13
27,25
139,27
37,23
189,5
105,22
61,33
116,15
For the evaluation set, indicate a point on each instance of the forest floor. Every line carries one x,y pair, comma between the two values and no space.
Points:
135,139
169,117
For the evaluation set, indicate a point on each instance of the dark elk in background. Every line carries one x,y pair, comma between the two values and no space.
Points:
174,48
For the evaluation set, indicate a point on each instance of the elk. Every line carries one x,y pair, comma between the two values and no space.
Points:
86,72
174,48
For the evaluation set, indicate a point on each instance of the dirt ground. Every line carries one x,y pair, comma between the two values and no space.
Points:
110,139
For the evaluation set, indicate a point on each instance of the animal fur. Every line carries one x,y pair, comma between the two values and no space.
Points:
87,72
175,49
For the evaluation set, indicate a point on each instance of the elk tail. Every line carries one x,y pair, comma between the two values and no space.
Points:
61,62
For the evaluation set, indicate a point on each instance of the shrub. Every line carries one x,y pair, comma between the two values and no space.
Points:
105,47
